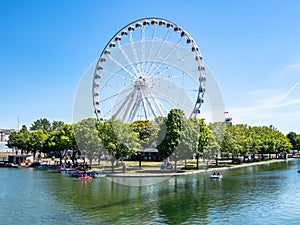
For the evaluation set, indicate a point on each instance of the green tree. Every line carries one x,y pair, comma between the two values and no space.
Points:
41,124
297,145
62,140
56,125
204,135
15,141
173,131
188,139
268,140
20,140
88,139
118,139
160,123
282,143
294,140
37,139
236,140
147,132
45,125
215,141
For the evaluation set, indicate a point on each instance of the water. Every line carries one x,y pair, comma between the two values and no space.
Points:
267,194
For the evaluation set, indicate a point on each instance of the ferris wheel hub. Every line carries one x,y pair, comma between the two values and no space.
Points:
140,83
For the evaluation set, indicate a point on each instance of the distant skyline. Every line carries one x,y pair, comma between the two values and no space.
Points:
251,46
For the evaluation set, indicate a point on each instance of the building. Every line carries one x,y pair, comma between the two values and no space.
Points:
147,154
20,159
4,148
4,134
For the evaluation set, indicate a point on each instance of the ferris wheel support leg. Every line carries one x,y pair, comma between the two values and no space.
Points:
134,109
144,101
122,106
156,103
151,107
130,103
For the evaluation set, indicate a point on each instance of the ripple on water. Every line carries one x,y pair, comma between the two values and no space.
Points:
260,195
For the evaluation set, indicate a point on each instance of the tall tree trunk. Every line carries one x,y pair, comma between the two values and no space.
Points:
91,161
112,165
140,161
99,159
175,163
73,156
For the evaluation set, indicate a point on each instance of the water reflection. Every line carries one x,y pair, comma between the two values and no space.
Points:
195,198
238,198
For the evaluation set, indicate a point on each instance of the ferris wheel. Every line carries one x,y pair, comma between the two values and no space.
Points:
147,68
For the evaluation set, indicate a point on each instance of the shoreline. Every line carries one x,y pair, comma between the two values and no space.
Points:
159,173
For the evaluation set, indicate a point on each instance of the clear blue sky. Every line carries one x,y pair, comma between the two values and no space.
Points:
251,46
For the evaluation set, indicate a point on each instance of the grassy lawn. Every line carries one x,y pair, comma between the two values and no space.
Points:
148,163
148,166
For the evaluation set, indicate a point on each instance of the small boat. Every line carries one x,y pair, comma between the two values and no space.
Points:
216,176
96,175
84,177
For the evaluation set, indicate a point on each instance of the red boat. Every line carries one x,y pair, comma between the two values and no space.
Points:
84,177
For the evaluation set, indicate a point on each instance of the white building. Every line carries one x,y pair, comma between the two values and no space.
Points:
4,134
4,148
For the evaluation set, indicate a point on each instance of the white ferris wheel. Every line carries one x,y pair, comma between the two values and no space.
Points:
147,68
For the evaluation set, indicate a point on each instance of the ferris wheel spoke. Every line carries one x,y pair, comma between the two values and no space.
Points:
109,75
121,66
120,106
133,49
152,41
143,49
123,77
110,97
130,103
127,59
134,107
171,98
155,100
145,103
148,103
112,85
169,67
160,47
164,60
160,79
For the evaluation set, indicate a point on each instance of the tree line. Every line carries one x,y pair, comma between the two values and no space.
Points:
175,137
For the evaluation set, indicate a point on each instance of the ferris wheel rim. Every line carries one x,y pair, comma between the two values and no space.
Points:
173,25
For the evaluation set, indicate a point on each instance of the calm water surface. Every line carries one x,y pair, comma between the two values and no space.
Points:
268,194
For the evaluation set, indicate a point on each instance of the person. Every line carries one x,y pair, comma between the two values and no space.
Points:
214,174
219,174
